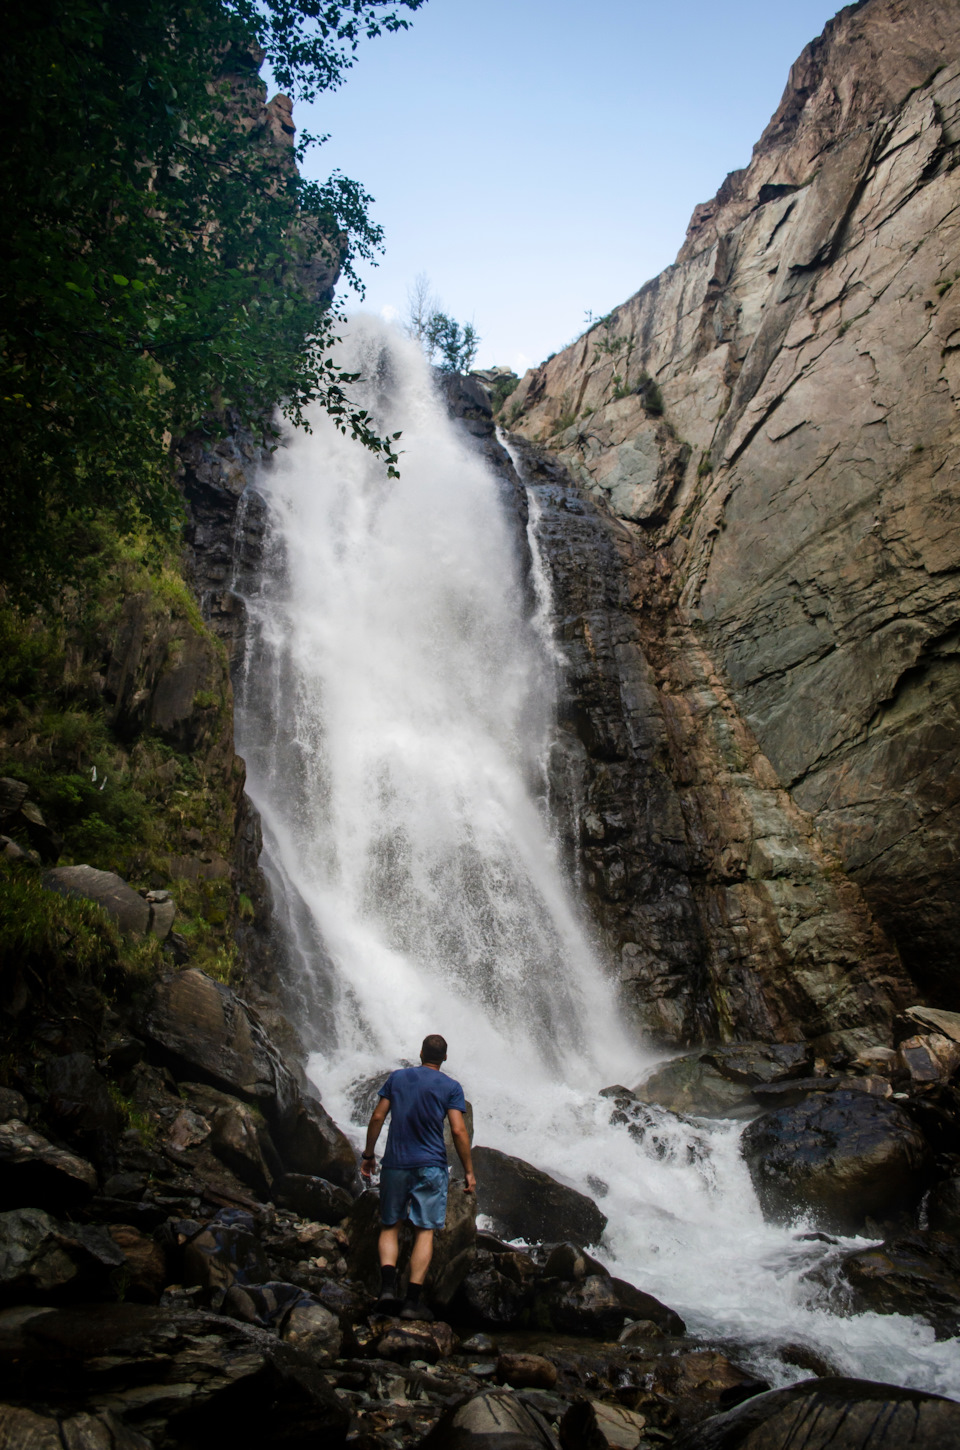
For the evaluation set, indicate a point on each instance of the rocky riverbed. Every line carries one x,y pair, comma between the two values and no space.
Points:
186,1255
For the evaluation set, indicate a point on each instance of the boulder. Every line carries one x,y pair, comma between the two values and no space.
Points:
491,1298
932,1057
570,1263
597,1306
755,1062
526,1371
312,1198
947,1023
692,1085
841,1156
310,1143
592,1425
42,1259
32,1170
201,1029
144,1271
409,1339
833,1414
107,889
312,1328
526,1203
492,1420
241,1140
916,1274
702,1380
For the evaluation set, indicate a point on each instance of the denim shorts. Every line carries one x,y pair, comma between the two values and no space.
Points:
419,1194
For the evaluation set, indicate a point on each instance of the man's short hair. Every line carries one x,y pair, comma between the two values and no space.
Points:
434,1048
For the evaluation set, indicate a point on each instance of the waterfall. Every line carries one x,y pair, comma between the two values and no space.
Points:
396,710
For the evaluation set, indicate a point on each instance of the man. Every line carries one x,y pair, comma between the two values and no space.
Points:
414,1175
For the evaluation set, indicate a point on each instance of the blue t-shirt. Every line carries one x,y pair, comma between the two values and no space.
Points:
420,1098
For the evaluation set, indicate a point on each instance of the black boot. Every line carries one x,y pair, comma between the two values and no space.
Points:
388,1303
413,1307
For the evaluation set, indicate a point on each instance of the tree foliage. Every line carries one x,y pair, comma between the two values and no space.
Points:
159,250
455,345
439,335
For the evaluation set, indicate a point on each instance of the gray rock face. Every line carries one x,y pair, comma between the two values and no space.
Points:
710,886
833,1414
801,563
527,1203
844,1156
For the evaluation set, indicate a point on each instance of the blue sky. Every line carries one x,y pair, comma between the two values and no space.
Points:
538,159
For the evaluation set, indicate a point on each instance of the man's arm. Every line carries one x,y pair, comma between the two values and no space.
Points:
377,1119
461,1142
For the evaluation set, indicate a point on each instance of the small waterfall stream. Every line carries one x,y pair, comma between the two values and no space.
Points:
396,710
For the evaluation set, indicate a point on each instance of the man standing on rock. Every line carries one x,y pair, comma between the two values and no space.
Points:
414,1175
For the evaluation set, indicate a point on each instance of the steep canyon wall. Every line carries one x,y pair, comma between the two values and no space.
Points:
757,570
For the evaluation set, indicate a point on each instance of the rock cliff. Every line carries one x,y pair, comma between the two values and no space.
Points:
766,437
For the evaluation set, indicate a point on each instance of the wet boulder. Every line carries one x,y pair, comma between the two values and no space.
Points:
833,1414
597,1306
690,1085
314,1198
492,1419
702,1381
524,1202
33,1170
761,1062
844,1156
490,1297
916,1274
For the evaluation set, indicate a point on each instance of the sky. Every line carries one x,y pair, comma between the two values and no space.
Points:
539,160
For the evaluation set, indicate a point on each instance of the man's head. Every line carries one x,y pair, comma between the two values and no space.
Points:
434,1049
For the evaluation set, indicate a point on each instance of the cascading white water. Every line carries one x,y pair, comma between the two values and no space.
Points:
396,710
